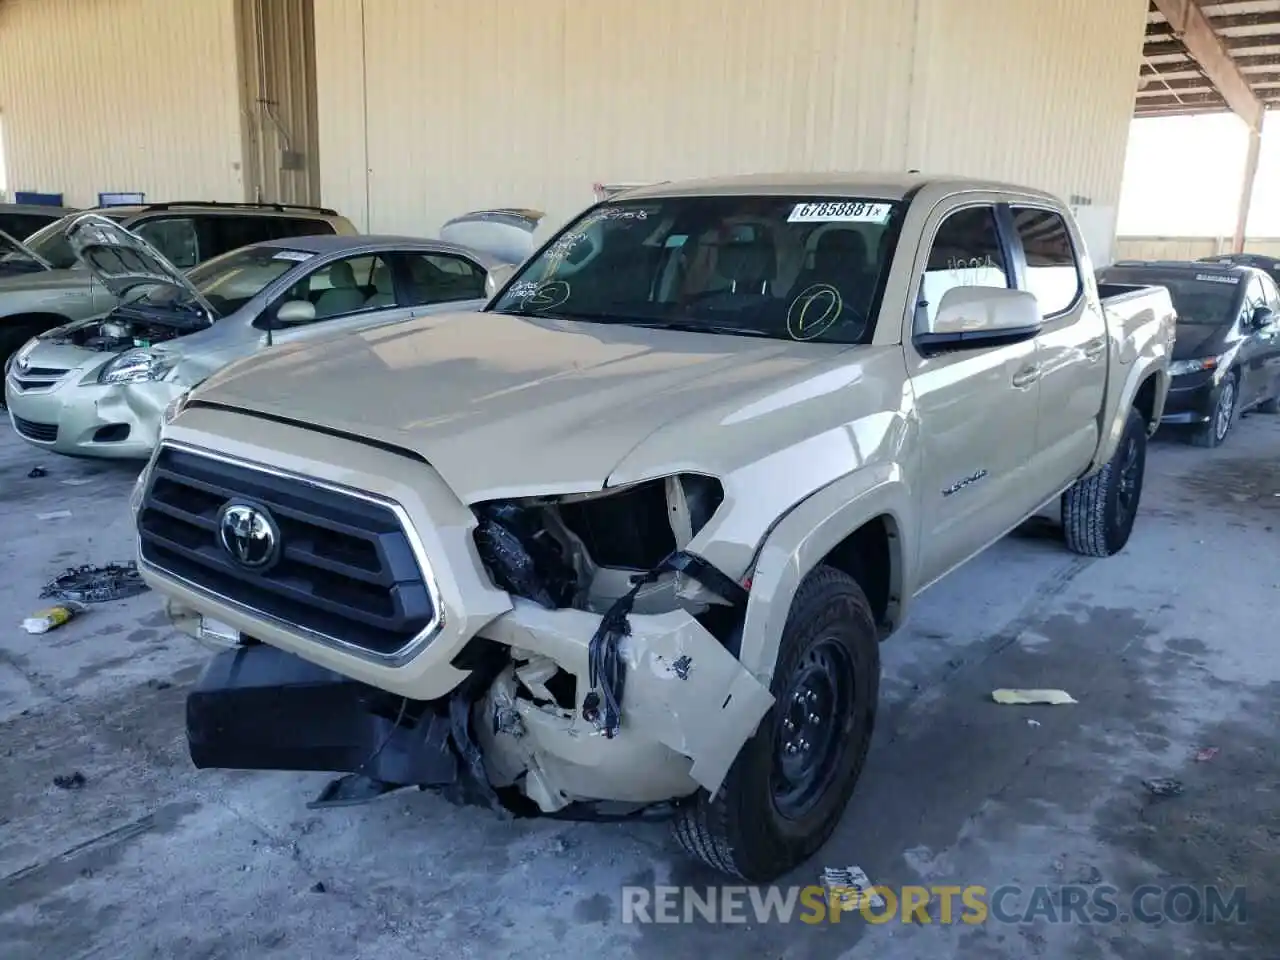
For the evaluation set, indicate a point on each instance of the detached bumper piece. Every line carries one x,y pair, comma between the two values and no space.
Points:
259,708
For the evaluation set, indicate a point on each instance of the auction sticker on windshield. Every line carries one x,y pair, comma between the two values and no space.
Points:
841,211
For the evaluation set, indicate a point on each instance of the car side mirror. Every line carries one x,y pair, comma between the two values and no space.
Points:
293,312
496,277
1262,316
970,318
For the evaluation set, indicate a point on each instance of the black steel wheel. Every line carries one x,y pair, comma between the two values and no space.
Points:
790,783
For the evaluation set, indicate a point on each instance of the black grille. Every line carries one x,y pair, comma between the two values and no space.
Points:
346,569
43,432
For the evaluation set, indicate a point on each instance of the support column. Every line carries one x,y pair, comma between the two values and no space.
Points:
1246,190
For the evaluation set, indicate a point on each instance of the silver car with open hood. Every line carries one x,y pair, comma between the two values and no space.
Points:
100,387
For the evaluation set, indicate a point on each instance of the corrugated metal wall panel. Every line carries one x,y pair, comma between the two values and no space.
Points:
278,53
484,102
145,93
1189,248
340,64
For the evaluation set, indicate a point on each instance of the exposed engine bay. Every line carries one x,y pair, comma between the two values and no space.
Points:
584,551
121,330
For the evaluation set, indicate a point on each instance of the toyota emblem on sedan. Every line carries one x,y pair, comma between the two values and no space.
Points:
249,534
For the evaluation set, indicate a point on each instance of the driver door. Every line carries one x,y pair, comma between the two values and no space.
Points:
347,294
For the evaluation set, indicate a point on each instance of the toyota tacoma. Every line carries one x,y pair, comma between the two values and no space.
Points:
626,541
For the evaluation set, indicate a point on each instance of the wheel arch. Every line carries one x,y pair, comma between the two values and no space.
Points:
857,525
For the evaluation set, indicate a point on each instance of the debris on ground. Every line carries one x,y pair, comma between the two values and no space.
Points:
1054,697
319,887
1208,753
1032,723
88,584
77,481
156,684
54,515
70,781
38,472
42,621
848,888
1163,786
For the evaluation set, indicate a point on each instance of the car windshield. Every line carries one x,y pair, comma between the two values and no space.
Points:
230,281
1199,301
51,244
789,268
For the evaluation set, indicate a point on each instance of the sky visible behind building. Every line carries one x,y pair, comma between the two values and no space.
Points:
1183,177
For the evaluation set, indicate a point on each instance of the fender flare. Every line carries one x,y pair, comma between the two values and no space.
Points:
1138,374
808,532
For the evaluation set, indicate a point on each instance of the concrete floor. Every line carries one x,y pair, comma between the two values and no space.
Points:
1169,648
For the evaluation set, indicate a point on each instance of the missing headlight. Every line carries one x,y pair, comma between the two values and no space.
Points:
522,557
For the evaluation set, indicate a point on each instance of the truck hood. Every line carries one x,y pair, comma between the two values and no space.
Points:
508,406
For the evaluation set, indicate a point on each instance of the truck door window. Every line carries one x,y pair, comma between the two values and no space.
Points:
174,237
966,252
1053,273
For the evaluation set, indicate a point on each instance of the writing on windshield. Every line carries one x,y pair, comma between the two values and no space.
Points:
790,268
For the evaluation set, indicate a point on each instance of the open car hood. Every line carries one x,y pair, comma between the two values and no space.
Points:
124,262
12,249
506,233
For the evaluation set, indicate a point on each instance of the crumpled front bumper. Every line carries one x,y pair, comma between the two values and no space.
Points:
688,708
91,419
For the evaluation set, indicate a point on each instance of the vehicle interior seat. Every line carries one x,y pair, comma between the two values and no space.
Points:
750,266
384,294
344,296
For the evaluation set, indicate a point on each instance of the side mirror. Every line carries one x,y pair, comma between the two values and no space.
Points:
974,317
294,312
1262,316
496,277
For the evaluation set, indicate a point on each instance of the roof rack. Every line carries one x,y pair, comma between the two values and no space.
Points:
240,205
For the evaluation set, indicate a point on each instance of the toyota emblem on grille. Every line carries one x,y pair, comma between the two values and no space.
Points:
23,364
249,534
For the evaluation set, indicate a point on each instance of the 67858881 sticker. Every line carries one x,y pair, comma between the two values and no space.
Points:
843,211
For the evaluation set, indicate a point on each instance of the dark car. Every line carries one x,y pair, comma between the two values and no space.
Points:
1269,265
1226,359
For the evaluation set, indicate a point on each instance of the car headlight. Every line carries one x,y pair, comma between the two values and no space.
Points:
135,366
175,407
1182,367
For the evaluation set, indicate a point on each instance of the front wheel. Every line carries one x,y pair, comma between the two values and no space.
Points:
789,785
1098,511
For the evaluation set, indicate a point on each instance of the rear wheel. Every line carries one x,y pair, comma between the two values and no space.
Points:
1213,433
1098,511
788,787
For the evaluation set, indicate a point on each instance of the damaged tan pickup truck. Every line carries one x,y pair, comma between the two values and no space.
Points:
627,540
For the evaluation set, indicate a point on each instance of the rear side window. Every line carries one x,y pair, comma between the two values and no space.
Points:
230,232
22,225
1053,274
966,252
283,227
175,238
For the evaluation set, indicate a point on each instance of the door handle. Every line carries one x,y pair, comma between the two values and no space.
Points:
1094,348
1027,376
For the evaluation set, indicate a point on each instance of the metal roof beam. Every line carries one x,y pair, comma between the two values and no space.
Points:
1192,27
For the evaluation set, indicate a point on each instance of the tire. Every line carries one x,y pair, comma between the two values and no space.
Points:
829,658
1225,411
1098,511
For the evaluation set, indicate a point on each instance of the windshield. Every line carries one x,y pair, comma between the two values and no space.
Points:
230,281
790,268
1208,299
51,244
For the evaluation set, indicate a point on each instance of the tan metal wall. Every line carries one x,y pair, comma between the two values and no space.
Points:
132,95
482,102
278,57
1189,248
